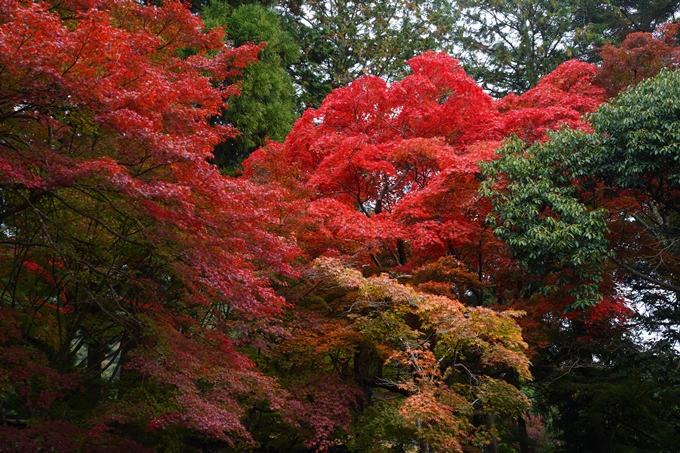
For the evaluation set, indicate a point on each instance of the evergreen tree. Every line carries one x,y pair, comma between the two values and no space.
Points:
265,108
342,40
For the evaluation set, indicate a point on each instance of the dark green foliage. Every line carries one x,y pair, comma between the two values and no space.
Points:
642,139
544,213
566,208
641,133
551,211
596,22
200,5
509,46
600,22
265,108
378,424
613,398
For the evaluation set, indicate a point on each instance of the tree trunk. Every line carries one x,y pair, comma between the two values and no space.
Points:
401,252
491,424
523,437
424,446
361,374
95,357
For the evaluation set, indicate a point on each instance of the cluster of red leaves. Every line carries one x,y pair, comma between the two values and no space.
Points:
640,56
376,160
65,436
319,409
207,377
560,99
548,317
149,111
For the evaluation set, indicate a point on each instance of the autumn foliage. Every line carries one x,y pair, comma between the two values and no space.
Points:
640,56
128,261
347,290
373,155
390,177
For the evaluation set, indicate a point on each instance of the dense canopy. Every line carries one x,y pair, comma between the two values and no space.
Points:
442,255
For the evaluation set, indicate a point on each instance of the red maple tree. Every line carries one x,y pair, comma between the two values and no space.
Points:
386,178
640,56
130,266
372,155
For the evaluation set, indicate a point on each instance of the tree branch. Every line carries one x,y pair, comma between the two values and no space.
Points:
642,275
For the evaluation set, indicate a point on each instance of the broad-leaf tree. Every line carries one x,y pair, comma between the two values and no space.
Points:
596,189
595,211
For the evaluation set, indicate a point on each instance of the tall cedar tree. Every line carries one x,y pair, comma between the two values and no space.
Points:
343,40
265,108
508,46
